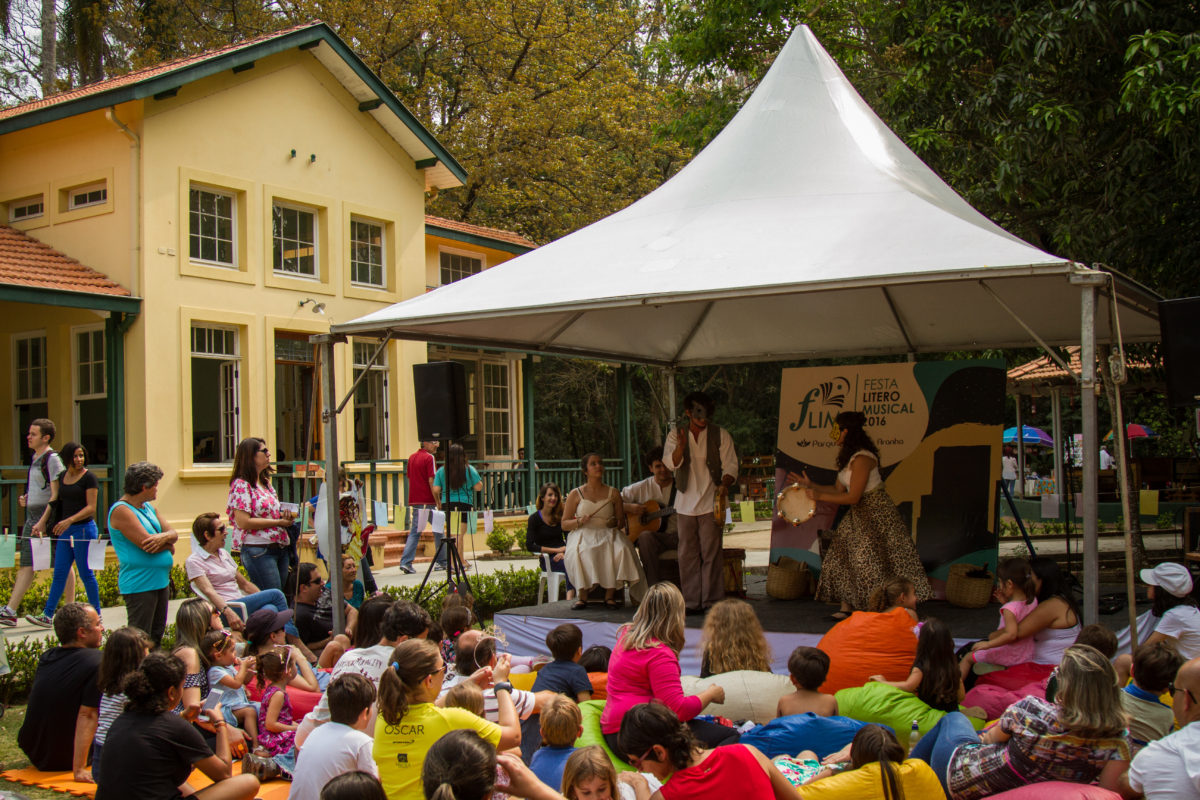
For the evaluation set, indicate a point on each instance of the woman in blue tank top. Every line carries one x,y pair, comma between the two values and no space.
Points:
145,544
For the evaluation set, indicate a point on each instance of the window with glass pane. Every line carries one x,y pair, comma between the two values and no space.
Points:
370,403
456,266
84,196
497,436
295,233
216,411
30,368
89,365
26,208
366,253
210,226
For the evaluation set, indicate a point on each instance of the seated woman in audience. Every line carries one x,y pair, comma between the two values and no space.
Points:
193,620
1054,624
666,748
123,652
150,752
409,723
1081,737
1169,586
935,678
732,639
463,766
873,765
645,667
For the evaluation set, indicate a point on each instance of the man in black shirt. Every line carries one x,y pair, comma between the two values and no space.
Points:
64,702
314,617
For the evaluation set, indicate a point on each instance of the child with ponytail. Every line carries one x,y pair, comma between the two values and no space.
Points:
895,593
409,723
1015,587
935,678
873,765
276,751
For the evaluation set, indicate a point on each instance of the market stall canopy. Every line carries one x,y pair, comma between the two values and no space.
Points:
805,229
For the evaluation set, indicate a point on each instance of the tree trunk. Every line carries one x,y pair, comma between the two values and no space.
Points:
49,47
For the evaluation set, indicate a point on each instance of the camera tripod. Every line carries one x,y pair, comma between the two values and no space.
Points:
456,572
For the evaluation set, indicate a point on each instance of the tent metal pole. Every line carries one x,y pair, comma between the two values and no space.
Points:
1091,445
1060,476
527,408
1020,450
671,413
332,477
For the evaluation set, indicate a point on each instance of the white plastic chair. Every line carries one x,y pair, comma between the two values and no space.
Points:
550,579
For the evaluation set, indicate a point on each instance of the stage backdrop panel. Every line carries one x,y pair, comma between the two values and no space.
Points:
937,425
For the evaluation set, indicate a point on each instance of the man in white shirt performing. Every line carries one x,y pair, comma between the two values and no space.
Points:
1170,767
704,462
659,534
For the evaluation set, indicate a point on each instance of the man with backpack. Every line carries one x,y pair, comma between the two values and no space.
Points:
41,490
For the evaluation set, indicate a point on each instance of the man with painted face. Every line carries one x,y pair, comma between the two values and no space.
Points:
702,457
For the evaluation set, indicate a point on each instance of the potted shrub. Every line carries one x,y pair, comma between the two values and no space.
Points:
499,541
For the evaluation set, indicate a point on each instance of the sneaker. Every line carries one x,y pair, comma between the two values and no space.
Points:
41,620
439,567
407,569
262,767
8,617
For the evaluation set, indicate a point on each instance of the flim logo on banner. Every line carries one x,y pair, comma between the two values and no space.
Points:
888,394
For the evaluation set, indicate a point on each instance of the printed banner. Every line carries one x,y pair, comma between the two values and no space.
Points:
937,425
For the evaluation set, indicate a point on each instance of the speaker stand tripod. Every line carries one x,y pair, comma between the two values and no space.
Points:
456,572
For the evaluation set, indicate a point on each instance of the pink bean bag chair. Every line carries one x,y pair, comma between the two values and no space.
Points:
302,701
998,690
866,644
1059,790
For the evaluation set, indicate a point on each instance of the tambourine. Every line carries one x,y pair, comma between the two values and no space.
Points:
795,504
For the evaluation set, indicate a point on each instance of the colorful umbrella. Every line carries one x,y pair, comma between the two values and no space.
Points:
1029,435
1135,430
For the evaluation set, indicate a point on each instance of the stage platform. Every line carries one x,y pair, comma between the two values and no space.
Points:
787,624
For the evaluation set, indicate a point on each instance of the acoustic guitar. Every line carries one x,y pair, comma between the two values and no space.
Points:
648,520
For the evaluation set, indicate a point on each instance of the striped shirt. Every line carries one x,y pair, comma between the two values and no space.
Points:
111,707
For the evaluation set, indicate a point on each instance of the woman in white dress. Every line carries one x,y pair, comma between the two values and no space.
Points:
598,552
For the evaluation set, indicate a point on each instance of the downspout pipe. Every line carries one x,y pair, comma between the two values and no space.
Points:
135,199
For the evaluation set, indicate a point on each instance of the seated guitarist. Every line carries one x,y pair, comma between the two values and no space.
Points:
656,493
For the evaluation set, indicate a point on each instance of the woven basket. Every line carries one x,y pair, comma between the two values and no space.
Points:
967,592
788,579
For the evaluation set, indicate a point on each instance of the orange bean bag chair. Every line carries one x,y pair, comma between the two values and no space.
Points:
868,643
302,701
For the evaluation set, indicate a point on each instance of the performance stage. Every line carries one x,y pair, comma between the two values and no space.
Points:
787,624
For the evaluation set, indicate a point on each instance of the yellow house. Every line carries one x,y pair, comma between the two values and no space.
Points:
191,225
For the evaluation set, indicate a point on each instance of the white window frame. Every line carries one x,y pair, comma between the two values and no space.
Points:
361,353
77,362
490,411
43,368
450,251
229,392
24,204
354,243
316,240
87,189
233,226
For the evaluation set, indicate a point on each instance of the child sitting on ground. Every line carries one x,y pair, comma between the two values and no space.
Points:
808,667
1015,587
873,765
230,681
1152,671
563,674
595,661
589,775
466,695
935,678
561,724
896,593
456,617
275,755
122,653
342,745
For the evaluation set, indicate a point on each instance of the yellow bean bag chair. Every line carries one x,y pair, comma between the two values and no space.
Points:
866,783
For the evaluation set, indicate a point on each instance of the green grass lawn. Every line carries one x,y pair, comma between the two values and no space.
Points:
11,757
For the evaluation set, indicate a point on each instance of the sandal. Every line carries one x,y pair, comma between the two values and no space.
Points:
579,605
838,616
613,604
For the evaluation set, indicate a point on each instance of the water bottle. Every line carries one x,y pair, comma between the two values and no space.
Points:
914,736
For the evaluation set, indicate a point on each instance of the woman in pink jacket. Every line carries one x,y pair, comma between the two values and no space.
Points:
645,667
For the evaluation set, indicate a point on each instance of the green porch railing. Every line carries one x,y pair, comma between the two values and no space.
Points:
12,486
506,485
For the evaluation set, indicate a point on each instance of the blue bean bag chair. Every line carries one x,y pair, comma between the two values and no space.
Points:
787,736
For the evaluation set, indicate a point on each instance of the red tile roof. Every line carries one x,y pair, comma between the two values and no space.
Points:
480,230
137,76
1046,370
24,261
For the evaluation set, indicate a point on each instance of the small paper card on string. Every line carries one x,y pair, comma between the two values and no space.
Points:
422,518
439,520
95,558
489,524
747,509
398,515
1148,502
455,522
728,515
381,519
529,509
1050,506
41,553
472,522
8,550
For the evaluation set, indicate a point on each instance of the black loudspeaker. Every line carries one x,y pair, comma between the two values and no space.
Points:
441,393
1179,321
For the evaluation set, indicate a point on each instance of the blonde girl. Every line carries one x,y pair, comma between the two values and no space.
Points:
228,675
732,639
589,775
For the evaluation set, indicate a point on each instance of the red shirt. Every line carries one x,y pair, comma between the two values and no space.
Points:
731,771
421,469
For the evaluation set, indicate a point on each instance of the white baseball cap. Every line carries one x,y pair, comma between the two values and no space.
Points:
1175,578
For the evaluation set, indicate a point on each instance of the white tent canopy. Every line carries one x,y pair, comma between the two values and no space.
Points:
805,229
